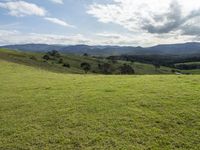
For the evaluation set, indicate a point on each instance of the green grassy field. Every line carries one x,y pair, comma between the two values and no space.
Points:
45,110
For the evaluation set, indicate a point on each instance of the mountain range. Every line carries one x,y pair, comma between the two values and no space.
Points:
192,48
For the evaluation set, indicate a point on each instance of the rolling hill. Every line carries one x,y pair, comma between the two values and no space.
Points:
98,65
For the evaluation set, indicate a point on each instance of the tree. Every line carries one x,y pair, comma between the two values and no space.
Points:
54,53
157,66
46,57
173,71
85,54
33,58
126,69
85,66
60,61
105,68
66,65
112,59
132,61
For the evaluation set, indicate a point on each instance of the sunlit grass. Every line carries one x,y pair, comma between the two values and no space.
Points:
45,110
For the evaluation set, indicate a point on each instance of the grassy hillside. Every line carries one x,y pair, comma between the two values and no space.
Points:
36,60
45,110
190,67
189,63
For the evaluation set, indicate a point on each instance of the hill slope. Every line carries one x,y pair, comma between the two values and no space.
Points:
36,60
45,110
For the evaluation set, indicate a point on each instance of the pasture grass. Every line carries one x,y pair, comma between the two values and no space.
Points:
46,110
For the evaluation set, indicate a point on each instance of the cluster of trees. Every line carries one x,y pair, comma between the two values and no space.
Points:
104,68
107,68
55,56
52,55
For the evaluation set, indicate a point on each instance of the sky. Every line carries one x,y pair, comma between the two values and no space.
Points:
99,22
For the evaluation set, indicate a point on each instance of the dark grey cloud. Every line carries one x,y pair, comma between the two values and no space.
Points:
190,30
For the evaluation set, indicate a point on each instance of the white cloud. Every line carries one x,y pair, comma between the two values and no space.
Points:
17,37
58,1
142,39
151,18
105,38
22,8
58,21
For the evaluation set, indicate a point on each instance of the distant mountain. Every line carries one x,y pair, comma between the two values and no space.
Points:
33,47
180,49
169,49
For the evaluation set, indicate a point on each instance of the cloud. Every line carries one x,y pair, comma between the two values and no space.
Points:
116,39
22,8
191,29
58,1
17,37
105,38
164,23
172,20
58,21
147,16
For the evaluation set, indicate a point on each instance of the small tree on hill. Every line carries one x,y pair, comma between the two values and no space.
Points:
54,53
85,54
33,58
157,66
132,61
60,61
46,57
112,59
66,65
105,68
85,66
126,69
